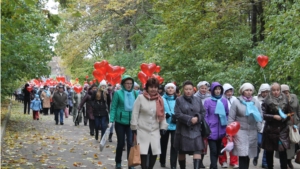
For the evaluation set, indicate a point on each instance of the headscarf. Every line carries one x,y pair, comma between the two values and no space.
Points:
160,113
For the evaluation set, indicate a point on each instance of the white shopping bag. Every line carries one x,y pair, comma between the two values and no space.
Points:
104,138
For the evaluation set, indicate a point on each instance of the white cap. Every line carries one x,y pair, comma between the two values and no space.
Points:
103,83
285,87
136,84
263,87
246,86
203,83
170,84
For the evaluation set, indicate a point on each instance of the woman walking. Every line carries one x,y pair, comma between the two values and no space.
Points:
120,113
46,96
216,117
245,110
77,114
148,121
189,113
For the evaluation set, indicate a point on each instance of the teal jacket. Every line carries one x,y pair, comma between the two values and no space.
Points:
169,105
117,110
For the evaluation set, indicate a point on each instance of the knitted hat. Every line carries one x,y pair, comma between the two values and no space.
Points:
246,86
203,83
285,87
170,84
136,84
103,83
36,96
264,87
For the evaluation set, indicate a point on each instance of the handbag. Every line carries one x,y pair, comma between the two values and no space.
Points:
297,159
104,139
66,112
134,158
205,130
294,134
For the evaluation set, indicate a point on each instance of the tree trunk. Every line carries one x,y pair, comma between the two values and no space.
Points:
253,23
127,35
261,20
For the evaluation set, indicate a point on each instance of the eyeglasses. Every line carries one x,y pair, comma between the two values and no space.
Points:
128,83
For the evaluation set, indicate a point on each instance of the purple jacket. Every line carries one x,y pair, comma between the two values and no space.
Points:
212,119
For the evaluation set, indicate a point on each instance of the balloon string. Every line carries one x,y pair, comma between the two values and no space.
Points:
264,74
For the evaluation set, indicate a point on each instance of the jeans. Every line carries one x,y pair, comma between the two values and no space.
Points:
121,131
259,141
100,121
282,159
92,126
215,151
164,139
59,112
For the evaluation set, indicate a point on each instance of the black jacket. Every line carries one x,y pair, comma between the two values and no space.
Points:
101,107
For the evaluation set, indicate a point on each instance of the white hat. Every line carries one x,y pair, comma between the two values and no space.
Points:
170,84
246,86
227,86
103,83
264,87
285,87
41,87
203,83
136,84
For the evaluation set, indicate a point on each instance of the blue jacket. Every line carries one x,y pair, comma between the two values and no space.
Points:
169,105
36,105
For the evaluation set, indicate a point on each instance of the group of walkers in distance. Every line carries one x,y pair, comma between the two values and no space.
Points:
158,112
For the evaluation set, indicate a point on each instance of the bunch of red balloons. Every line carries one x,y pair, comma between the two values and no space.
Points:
147,72
104,70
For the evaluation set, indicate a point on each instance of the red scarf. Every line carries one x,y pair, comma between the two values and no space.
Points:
160,112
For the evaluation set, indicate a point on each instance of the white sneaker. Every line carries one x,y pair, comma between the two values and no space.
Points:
224,165
235,166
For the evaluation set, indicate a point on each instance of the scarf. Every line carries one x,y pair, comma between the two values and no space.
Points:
48,93
279,104
248,99
220,110
188,98
160,113
252,109
202,96
128,100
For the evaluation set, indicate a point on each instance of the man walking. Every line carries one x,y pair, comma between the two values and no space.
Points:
60,102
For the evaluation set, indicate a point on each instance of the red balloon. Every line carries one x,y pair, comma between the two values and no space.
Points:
94,80
77,88
100,65
123,69
98,75
143,77
29,88
61,79
91,82
114,70
157,69
77,79
148,69
114,80
262,60
160,79
233,128
86,76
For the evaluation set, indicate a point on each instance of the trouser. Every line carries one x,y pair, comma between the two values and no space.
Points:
70,110
259,141
122,131
45,111
223,156
282,159
244,162
215,149
92,126
164,139
85,117
41,111
27,105
51,109
60,113
111,131
100,121
35,115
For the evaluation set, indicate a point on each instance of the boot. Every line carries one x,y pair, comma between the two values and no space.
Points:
201,161
96,135
196,163
289,162
182,164
144,161
118,166
109,137
152,161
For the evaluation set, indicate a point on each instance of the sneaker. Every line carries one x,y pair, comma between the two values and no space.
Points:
225,165
235,166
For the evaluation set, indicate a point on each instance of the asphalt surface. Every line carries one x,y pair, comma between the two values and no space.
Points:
42,144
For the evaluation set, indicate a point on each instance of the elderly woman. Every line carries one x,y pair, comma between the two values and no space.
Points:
189,112
148,121
276,111
45,96
263,92
245,110
77,114
294,103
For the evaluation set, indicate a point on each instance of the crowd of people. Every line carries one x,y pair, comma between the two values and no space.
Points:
157,112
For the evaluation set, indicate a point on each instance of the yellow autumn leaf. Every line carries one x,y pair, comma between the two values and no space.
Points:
95,156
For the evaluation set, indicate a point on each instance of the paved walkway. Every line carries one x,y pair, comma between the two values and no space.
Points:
42,144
